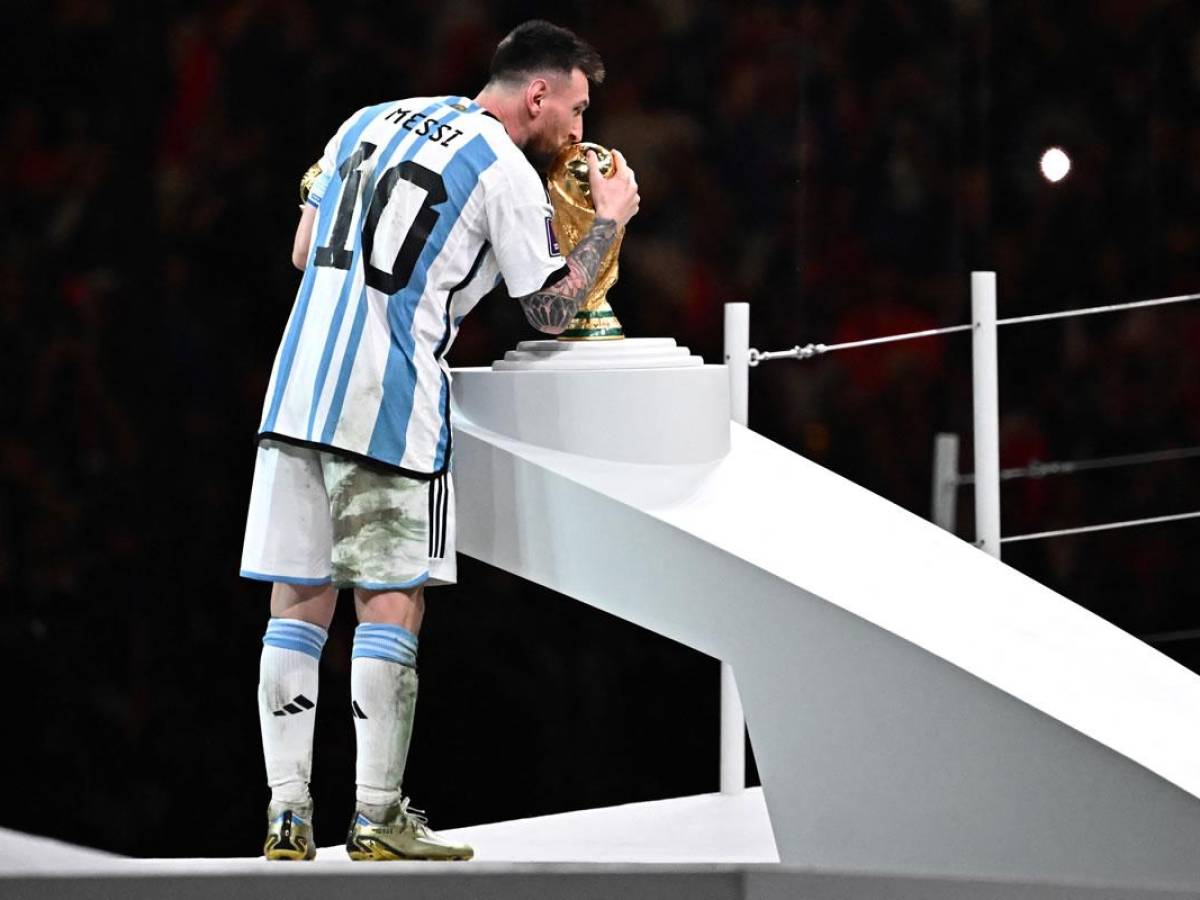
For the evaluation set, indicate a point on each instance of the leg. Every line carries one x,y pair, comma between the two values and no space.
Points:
383,686
383,679
287,687
388,530
314,605
403,608
381,545
288,539
287,698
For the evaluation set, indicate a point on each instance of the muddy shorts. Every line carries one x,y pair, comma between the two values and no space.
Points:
317,518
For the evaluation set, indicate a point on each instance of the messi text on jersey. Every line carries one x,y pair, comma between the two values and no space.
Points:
424,126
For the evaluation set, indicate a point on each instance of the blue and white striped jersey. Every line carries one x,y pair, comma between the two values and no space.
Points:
423,206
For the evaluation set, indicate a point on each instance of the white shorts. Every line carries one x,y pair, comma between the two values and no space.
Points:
319,518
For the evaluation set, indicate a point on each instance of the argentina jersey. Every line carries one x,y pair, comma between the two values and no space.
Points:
423,206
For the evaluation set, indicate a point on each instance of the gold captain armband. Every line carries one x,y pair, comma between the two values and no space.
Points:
306,182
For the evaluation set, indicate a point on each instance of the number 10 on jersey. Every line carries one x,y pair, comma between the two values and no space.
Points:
404,258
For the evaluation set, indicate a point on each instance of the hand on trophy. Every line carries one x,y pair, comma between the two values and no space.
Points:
615,197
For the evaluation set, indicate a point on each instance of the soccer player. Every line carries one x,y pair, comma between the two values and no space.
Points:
418,209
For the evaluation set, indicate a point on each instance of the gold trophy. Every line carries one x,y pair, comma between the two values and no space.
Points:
570,195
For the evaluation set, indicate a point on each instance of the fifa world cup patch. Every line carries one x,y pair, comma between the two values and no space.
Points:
551,240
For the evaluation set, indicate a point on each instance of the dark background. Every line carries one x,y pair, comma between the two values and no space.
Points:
841,165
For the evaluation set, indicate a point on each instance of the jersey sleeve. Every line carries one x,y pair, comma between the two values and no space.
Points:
520,229
328,163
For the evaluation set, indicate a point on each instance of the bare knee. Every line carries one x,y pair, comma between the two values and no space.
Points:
404,608
309,603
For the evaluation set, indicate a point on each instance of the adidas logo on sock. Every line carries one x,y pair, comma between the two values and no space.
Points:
299,704
357,710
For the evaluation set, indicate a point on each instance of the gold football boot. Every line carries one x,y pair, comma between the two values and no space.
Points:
401,833
289,835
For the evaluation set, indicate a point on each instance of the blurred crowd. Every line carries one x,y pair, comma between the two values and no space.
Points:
840,164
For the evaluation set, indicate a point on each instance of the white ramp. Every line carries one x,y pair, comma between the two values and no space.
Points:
915,706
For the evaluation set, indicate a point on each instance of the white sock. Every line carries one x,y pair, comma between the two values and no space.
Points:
383,692
287,707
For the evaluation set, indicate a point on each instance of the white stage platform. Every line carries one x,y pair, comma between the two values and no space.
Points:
710,828
709,846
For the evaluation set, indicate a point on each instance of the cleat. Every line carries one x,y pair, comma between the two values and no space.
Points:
290,835
402,833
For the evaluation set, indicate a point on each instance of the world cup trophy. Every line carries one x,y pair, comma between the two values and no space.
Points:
306,183
570,195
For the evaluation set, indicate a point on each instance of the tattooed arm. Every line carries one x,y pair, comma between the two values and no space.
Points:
552,309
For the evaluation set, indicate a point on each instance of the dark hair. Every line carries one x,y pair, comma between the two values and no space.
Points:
537,45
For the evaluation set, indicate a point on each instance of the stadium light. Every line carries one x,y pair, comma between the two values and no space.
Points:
1055,164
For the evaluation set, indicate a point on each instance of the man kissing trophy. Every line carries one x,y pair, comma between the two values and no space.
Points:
594,339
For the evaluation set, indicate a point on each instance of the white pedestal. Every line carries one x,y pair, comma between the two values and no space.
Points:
631,401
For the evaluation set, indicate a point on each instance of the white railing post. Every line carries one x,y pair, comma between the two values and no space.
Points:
733,719
986,412
737,358
945,481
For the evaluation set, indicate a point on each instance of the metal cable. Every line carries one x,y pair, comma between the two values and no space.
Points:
1041,470
1106,527
1093,310
931,332
808,351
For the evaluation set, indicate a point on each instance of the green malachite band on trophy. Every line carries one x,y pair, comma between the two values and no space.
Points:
593,324
607,334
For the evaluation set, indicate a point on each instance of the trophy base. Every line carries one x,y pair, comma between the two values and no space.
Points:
598,324
629,353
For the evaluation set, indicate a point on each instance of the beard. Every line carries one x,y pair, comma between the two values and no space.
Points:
540,151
